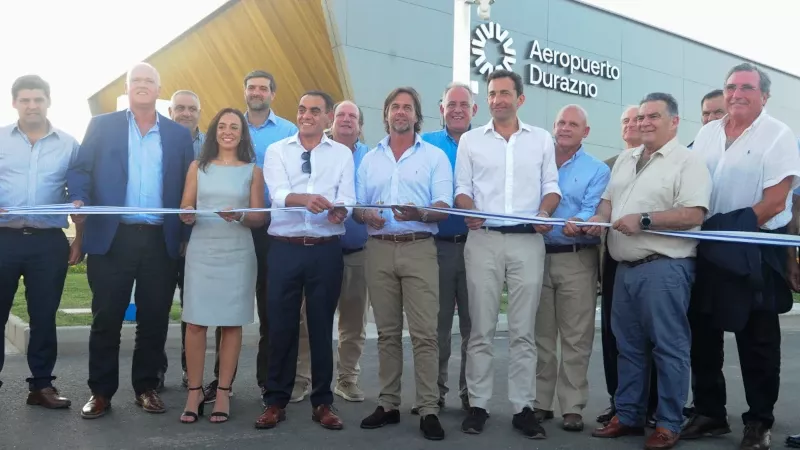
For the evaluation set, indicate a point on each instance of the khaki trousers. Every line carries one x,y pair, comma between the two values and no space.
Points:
352,324
567,309
404,276
492,257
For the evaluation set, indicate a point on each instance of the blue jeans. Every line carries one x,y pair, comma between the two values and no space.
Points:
649,320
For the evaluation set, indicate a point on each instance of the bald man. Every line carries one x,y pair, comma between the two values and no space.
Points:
569,289
133,158
608,268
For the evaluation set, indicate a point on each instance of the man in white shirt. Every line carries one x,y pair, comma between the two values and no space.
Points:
754,166
505,167
312,171
402,267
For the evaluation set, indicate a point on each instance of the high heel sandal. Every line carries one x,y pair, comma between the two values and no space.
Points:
218,413
193,415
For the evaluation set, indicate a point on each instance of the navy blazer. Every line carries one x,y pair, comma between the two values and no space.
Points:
100,178
734,279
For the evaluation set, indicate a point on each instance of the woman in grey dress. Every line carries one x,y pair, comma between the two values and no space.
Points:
220,280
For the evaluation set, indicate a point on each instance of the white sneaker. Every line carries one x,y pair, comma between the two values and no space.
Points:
299,392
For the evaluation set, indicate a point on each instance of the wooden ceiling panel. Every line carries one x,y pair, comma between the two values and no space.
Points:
287,38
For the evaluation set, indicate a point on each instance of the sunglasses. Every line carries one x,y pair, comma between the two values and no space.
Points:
306,162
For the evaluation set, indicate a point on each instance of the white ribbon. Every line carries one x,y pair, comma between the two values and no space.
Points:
746,237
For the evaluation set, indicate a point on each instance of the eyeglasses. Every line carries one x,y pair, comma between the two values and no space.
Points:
307,162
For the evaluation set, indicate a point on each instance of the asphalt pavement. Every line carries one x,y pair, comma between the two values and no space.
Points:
127,427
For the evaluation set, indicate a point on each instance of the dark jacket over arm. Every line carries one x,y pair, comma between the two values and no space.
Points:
734,279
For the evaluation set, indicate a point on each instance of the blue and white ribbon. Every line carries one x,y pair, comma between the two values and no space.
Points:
745,237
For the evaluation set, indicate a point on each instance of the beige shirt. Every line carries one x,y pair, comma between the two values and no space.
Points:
674,177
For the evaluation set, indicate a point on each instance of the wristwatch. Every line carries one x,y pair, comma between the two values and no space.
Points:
645,221
424,216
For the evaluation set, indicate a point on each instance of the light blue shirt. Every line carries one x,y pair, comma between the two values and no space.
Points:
582,180
274,129
197,143
32,175
145,173
453,225
422,176
355,235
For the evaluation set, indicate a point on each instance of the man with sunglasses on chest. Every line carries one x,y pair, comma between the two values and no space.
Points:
310,171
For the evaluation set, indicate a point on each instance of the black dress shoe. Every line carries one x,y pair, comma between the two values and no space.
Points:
431,428
475,420
527,424
651,421
607,415
756,437
700,426
380,418
793,441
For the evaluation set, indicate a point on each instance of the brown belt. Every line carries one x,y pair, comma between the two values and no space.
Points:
406,237
305,240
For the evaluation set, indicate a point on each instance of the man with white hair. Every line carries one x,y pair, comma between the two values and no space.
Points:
569,288
133,158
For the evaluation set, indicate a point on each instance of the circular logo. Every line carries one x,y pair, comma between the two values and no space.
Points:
491,33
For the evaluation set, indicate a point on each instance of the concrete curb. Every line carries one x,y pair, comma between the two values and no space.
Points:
18,332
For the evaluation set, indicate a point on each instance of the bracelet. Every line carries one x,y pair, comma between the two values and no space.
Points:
241,218
545,213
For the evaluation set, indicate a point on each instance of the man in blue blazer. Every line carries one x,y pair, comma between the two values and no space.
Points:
135,158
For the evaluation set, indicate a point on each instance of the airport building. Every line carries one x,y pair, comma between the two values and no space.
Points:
565,51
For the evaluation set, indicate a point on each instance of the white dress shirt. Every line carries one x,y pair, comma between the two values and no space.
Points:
506,177
422,176
760,158
332,176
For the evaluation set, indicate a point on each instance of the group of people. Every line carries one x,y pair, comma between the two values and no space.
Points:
665,300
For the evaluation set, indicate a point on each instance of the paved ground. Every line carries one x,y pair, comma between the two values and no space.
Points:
23,427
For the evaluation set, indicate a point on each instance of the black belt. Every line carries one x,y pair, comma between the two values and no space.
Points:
566,248
513,229
350,251
28,231
457,239
644,260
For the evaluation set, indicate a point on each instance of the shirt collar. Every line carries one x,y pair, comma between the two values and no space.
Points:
50,130
384,143
575,156
761,117
131,116
490,126
664,151
272,117
200,135
295,139
446,132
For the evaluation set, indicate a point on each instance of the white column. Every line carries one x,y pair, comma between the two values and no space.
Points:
461,42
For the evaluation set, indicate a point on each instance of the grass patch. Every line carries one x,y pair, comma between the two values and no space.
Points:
796,297
76,295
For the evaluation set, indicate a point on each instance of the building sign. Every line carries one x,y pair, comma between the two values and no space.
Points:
537,72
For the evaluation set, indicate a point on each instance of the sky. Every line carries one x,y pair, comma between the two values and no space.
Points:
79,46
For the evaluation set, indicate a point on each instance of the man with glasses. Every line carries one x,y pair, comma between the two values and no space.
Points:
306,170
754,164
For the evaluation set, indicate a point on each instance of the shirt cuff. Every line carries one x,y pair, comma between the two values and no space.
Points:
551,188
279,198
584,216
462,190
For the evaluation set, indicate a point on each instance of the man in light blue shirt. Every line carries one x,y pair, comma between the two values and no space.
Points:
266,128
34,160
569,288
458,108
402,270
184,109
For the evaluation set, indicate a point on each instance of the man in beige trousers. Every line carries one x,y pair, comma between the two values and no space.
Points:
402,267
569,288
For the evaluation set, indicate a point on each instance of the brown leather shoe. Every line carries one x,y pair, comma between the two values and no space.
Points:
97,406
151,402
326,417
49,398
615,429
662,438
572,422
270,417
